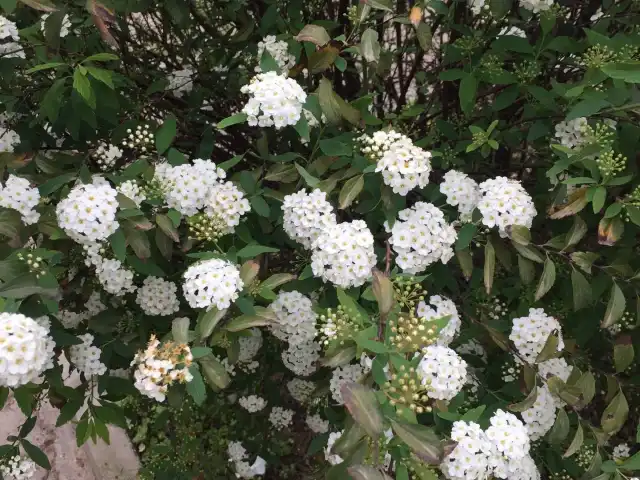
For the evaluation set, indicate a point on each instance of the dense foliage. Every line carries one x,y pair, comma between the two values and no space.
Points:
293,239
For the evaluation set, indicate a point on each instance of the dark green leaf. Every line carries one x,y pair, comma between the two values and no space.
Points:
35,454
165,134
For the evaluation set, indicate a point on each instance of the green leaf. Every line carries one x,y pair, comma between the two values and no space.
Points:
613,210
489,266
333,106
167,226
550,349
24,286
586,108
369,45
317,444
180,329
467,93
251,251
465,235
101,57
232,120
576,232
207,322
35,454
615,307
599,198
335,148
623,354
424,35
628,71
82,85
139,243
350,191
82,432
196,388
45,66
102,75
268,63
366,472
165,134
68,411
547,279
474,414
582,294
422,440
615,415
633,462
260,206
214,372
560,428
310,179
576,443
380,5
50,186
363,406
314,34
525,404
526,269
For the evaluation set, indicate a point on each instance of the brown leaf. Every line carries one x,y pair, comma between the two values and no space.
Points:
577,201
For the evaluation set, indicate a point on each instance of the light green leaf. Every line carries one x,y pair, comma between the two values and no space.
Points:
489,266
310,179
547,279
232,120
165,134
615,307
350,191
363,406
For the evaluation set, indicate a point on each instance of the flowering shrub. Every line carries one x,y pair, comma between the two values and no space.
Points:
292,239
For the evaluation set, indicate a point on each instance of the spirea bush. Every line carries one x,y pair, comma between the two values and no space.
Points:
304,239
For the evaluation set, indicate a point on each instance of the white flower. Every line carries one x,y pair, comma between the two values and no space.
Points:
281,417
442,371
317,424
132,191
8,29
274,100
301,358
18,468
227,203
187,187
69,319
159,366
26,350
64,28
405,166
344,254
513,31
158,297
332,458
236,452
8,138
295,319
557,367
17,194
504,203
529,334
375,146
509,435
542,415
469,460
88,213
245,470
572,134
86,357
597,16
279,50
248,346
180,81
306,215
113,277
252,403
343,375
536,6
421,236
440,307
212,283
622,451
300,389
461,191
94,304
473,347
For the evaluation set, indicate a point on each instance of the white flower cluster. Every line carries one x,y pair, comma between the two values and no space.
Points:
26,349
86,357
187,187
344,254
18,468
180,81
439,307
542,415
300,389
343,375
529,334
306,215
238,455
442,371
301,358
248,346
158,297
375,146
106,155
477,6
557,367
330,457
65,27
212,283
295,319
279,50
132,191
513,31
111,274
572,134
281,417
9,33
405,167
252,403
17,194
275,100
502,451
317,424
421,236
537,6
505,202
8,138
88,213
622,451
227,203
159,366
461,191
140,139
94,304
69,319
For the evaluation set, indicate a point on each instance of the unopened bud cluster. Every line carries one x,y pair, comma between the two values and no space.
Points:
141,139
527,71
408,292
153,190
627,322
610,163
206,228
36,265
602,133
413,334
585,456
510,371
336,326
405,390
597,56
